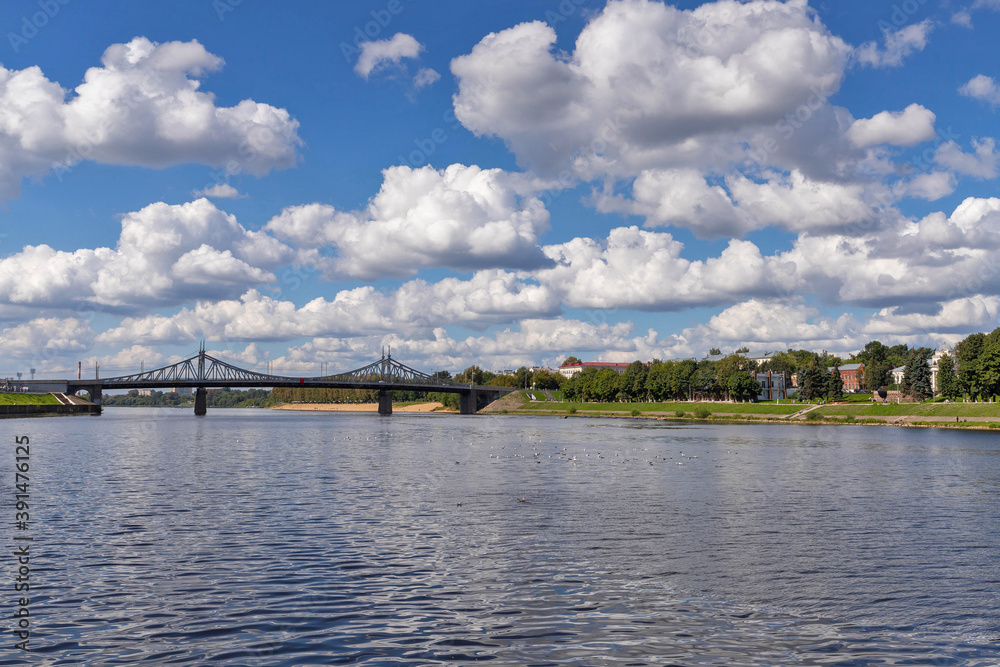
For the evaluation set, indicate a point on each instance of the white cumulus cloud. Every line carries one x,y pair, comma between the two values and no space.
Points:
909,127
982,87
648,85
386,51
899,45
932,186
46,338
220,191
460,217
488,297
685,198
983,163
142,107
644,270
769,324
166,254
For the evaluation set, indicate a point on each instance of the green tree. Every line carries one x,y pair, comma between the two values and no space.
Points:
658,380
705,379
632,382
989,364
523,378
572,388
829,360
743,386
714,352
917,375
813,382
879,375
726,367
874,352
947,381
897,355
472,375
967,353
835,385
571,361
682,377
547,380
604,385
506,381
878,368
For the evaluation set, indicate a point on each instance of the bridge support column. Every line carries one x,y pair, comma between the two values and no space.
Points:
96,397
384,402
468,403
200,402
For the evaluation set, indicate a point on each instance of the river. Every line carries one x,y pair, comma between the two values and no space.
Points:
257,537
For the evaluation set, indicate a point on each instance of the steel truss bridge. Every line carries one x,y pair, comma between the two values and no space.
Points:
203,371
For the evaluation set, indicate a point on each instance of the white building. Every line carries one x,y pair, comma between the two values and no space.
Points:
760,357
570,371
772,386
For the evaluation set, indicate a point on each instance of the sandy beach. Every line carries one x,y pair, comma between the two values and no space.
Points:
356,407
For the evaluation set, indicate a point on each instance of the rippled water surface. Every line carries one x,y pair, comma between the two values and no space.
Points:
252,537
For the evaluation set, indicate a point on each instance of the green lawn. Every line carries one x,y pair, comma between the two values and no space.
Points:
667,408
915,409
28,399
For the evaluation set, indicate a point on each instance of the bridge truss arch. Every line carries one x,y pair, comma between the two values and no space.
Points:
203,371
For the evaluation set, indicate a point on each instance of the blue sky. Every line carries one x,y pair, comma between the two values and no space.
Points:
501,183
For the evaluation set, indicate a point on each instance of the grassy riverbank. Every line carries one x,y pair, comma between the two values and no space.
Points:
28,399
914,409
663,408
952,415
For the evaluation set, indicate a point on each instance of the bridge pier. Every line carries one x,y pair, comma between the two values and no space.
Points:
96,397
200,402
468,403
384,402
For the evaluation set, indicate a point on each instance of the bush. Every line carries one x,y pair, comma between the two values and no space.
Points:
813,416
635,413
572,411
702,413
680,413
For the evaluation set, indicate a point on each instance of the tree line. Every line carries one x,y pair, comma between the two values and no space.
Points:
973,372
216,398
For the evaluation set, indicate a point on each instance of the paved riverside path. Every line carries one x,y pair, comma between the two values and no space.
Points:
798,414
